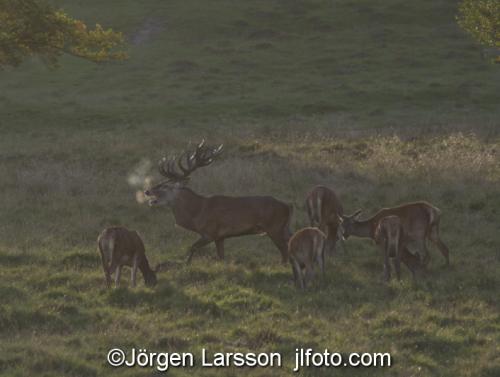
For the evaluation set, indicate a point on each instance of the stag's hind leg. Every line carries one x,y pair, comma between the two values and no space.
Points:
280,242
434,237
203,241
219,244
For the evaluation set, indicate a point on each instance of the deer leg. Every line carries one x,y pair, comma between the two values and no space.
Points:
310,212
321,263
387,266
309,275
198,244
434,237
280,243
107,275
296,272
397,265
133,273
334,238
118,273
409,260
219,244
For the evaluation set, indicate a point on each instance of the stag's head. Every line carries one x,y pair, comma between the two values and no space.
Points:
348,223
177,172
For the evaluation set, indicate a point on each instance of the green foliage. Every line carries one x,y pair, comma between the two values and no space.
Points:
481,18
34,27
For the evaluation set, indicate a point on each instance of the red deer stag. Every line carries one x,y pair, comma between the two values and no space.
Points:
420,222
325,211
122,247
306,249
216,218
389,235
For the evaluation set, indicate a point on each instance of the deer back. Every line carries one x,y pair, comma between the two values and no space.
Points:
120,244
306,245
323,206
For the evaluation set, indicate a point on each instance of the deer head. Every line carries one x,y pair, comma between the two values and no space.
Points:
165,192
349,222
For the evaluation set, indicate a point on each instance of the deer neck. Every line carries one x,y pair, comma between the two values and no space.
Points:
364,229
143,265
186,207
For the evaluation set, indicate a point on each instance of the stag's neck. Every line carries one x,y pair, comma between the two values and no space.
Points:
187,207
365,228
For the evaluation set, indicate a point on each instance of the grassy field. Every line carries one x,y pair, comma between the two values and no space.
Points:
383,101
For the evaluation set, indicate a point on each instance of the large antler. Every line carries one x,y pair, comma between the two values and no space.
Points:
188,162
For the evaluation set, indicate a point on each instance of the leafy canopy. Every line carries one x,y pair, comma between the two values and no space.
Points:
481,18
35,28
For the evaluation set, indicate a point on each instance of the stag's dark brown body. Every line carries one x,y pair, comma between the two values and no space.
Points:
216,218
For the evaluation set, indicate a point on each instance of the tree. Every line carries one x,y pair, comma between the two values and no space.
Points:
35,28
481,18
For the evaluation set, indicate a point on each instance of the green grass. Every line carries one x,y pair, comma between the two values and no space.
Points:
384,101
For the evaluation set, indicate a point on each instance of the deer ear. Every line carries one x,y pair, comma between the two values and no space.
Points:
356,214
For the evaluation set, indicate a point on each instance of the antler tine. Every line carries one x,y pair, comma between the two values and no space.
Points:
166,168
207,155
188,162
186,170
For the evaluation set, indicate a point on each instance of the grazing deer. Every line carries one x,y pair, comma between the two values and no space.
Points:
122,247
216,218
325,211
306,249
389,235
420,222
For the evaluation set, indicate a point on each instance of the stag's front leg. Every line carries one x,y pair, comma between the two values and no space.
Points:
203,241
219,244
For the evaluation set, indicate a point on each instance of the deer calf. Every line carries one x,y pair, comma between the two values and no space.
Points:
120,247
306,249
389,235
